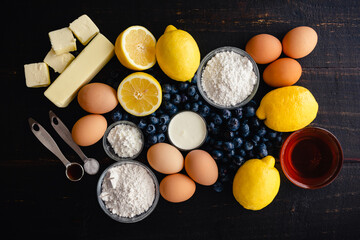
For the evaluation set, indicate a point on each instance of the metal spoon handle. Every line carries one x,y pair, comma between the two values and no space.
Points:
65,134
45,138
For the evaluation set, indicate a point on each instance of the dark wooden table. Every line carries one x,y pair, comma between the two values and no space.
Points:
37,201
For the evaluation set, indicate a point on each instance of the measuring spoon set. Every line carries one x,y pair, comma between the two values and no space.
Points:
74,171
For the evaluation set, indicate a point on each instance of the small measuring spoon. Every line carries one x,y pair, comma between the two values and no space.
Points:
74,171
91,165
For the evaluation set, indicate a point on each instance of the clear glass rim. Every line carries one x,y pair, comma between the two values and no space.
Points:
203,65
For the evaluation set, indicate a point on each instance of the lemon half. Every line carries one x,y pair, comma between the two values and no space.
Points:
140,94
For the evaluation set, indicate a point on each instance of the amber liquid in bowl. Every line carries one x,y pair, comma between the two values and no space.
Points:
311,158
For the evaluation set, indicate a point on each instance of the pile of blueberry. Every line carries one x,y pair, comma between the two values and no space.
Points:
233,135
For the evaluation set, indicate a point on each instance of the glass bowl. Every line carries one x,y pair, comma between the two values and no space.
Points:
110,151
203,64
136,218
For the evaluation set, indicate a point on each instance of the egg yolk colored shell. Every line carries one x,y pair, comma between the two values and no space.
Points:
283,72
299,42
264,48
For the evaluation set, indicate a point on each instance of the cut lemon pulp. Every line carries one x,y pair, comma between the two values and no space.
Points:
135,48
140,94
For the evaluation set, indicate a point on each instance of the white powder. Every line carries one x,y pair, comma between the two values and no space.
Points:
228,78
128,190
125,140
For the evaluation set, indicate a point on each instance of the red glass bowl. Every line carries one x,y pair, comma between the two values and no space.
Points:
311,158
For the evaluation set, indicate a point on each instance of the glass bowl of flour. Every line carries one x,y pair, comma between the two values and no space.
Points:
228,78
123,140
128,191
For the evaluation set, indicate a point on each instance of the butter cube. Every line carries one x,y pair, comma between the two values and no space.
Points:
58,62
37,75
80,71
62,41
84,29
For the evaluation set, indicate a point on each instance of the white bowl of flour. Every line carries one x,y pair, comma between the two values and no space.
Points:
228,78
128,191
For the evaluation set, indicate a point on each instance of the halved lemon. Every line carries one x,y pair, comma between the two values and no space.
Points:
135,48
140,94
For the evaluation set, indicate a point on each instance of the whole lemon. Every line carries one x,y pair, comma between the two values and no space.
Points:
288,109
256,183
177,54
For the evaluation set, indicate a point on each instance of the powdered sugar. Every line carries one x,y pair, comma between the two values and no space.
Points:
128,190
228,78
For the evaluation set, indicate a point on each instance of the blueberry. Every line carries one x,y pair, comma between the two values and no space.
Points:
150,129
218,144
164,119
244,129
168,106
195,98
173,110
154,120
152,139
225,179
191,91
174,89
200,102
217,154
261,132
238,160
248,146
228,135
217,119
187,106
162,129
255,138
183,86
241,152
271,134
223,171
238,112
218,187
263,152
194,107
161,137
176,99
166,88
254,122
278,140
184,98
117,116
230,153
204,110
228,146
249,111
226,114
250,154
125,116
142,123
211,126
237,142
194,79
166,97
233,124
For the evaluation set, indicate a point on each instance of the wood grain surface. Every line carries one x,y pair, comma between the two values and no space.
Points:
37,200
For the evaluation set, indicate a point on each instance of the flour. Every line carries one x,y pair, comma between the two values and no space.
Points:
228,78
126,140
128,190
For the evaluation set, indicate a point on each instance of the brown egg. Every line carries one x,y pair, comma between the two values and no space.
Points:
299,42
283,72
201,167
97,98
165,158
89,129
177,188
264,48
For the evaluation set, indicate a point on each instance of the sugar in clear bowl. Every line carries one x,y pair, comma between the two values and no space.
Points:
203,64
108,148
136,218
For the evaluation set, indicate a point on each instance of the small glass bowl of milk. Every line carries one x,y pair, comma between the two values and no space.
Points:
187,130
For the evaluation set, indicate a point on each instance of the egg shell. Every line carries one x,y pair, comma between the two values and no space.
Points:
299,42
165,158
201,167
264,48
283,72
89,129
97,98
177,188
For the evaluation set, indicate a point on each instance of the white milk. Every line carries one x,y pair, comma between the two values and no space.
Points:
187,130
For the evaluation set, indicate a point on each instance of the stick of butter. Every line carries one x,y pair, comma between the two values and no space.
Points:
80,71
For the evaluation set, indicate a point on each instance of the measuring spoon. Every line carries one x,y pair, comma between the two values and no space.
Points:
74,171
91,165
